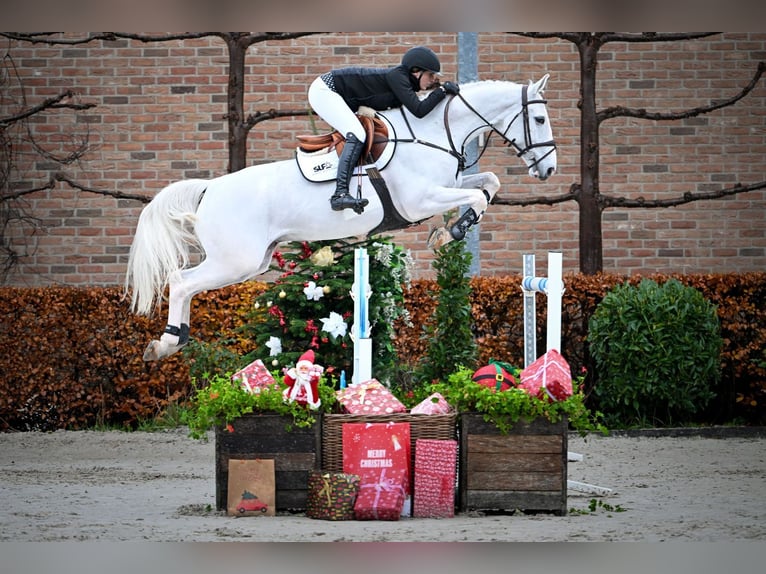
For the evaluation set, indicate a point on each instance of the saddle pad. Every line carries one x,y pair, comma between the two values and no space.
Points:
322,165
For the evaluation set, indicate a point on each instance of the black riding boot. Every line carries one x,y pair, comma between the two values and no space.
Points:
349,157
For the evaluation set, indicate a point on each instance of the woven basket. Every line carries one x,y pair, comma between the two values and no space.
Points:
442,427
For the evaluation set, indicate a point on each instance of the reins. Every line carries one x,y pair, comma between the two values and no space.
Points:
461,155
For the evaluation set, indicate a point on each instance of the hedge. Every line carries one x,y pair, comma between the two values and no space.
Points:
72,357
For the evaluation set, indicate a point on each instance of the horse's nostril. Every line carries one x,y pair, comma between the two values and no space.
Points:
550,171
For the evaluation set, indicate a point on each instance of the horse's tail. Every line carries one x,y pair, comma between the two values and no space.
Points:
161,243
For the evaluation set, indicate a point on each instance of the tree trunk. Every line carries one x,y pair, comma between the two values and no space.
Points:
591,258
237,44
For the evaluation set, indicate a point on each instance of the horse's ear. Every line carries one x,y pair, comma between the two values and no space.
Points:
539,86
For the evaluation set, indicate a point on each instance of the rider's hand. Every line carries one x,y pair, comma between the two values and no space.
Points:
451,88
366,112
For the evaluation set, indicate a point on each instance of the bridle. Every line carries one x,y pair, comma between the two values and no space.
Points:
461,155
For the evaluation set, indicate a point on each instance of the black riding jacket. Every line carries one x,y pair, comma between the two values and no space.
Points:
382,89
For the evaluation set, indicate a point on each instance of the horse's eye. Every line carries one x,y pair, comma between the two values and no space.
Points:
540,120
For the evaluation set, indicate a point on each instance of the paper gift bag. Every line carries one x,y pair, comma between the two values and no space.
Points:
435,472
381,494
252,489
374,446
549,376
331,495
254,377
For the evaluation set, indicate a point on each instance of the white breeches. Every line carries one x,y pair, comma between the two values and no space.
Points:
333,109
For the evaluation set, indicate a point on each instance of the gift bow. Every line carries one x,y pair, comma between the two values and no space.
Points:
326,489
362,388
382,484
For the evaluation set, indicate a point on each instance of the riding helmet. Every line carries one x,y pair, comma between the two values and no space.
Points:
423,58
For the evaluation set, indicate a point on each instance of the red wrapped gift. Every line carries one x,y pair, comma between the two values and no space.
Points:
436,404
549,376
435,472
369,398
376,446
254,377
494,376
381,494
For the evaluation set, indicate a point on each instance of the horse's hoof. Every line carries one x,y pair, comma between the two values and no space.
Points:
439,237
152,352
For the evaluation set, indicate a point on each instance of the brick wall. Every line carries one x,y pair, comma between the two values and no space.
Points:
159,118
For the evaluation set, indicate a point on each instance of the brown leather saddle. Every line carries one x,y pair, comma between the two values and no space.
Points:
377,138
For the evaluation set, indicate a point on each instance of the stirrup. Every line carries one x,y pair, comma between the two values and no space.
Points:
343,201
461,226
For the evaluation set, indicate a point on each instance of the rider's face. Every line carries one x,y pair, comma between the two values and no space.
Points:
427,80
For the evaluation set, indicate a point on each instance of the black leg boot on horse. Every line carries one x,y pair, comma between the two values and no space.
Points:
349,157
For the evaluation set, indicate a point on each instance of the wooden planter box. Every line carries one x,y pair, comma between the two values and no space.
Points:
525,469
265,436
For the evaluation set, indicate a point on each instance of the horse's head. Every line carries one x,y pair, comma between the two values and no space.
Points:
529,131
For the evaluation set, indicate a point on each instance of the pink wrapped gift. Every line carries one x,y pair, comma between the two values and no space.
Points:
254,377
369,398
436,404
549,376
435,471
381,494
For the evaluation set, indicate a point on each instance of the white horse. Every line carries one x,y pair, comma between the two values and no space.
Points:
237,220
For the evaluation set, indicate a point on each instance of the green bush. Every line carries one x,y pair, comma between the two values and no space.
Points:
451,340
657,350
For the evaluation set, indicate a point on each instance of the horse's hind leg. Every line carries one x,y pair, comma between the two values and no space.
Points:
183,285
176,333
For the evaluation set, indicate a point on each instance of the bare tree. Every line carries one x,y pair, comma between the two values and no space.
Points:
16,138
14,128
591,201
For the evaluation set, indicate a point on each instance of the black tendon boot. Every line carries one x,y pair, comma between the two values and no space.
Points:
349,157
460,227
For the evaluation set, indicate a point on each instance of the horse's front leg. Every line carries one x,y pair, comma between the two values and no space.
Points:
483,188
176,333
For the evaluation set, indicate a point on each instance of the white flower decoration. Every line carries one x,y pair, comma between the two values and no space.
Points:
323,257
313,293
275,346
334,324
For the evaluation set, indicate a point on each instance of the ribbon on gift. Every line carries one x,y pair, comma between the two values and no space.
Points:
383,484
363,388
326,490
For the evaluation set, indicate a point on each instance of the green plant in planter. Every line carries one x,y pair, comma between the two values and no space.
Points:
505,408
657,350
221,401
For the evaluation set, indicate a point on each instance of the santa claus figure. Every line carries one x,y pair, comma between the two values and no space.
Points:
303,382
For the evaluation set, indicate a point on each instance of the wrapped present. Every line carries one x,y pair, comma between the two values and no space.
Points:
376,446
435,472
435,404
331,495
496,376
254,377
369,398
549,376
381,494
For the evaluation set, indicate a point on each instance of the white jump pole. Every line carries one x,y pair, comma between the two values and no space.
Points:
553,287
360,332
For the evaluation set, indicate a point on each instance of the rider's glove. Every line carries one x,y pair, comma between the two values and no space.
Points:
451,88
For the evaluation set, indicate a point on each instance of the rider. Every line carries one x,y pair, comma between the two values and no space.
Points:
337,95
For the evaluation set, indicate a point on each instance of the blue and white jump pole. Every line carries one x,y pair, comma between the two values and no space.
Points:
360,331
553,287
